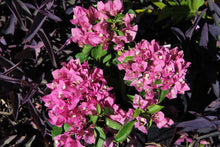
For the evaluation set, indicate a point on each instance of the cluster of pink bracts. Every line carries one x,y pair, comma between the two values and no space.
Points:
103,25
77,89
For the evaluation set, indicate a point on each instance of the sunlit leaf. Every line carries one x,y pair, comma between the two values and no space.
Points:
128,58
93,119
112,124
86,50
137,112
66,127
124,131
81,57
132,12
99,136
107,58
108,111
98,109
154,108
97,52
56,131
162,95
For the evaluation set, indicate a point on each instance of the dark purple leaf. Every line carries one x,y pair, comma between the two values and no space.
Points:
214,15
48,46
7,140
48,3
69,10
10,79
213,106
8,64
36,118
23,6
187,129
215,87
12,68
179,34
217,122
31,93
190,31
22,9
28,53
37,23
196,124
9,27
28,144
204,36
15,11
15,101
2,41
30,6
50,15
45,12
215,31
216,9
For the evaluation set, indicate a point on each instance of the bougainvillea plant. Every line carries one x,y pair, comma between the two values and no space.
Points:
82,107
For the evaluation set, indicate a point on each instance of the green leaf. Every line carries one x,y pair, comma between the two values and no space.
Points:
162,95
97,52
154,108
124,131
195,4
115,61
56,131
108,111
66,127
157,82
130,96
107,58
99,136
149,122
112,124
132,12
109,20
86,50
81,57
119,33
137,112
93,119
128,58
160,5
98,109
128,83
119,18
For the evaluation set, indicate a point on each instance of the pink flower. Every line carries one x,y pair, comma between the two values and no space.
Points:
160,120
139,102
98,26
75,92
140,124
66,141
183,138
110,8
153,67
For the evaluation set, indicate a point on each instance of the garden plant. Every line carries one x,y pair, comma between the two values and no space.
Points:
109,73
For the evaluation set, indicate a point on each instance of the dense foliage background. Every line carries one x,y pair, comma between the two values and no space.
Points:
34,41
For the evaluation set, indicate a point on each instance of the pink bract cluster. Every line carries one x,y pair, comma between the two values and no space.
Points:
76,91
151,67
103,25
